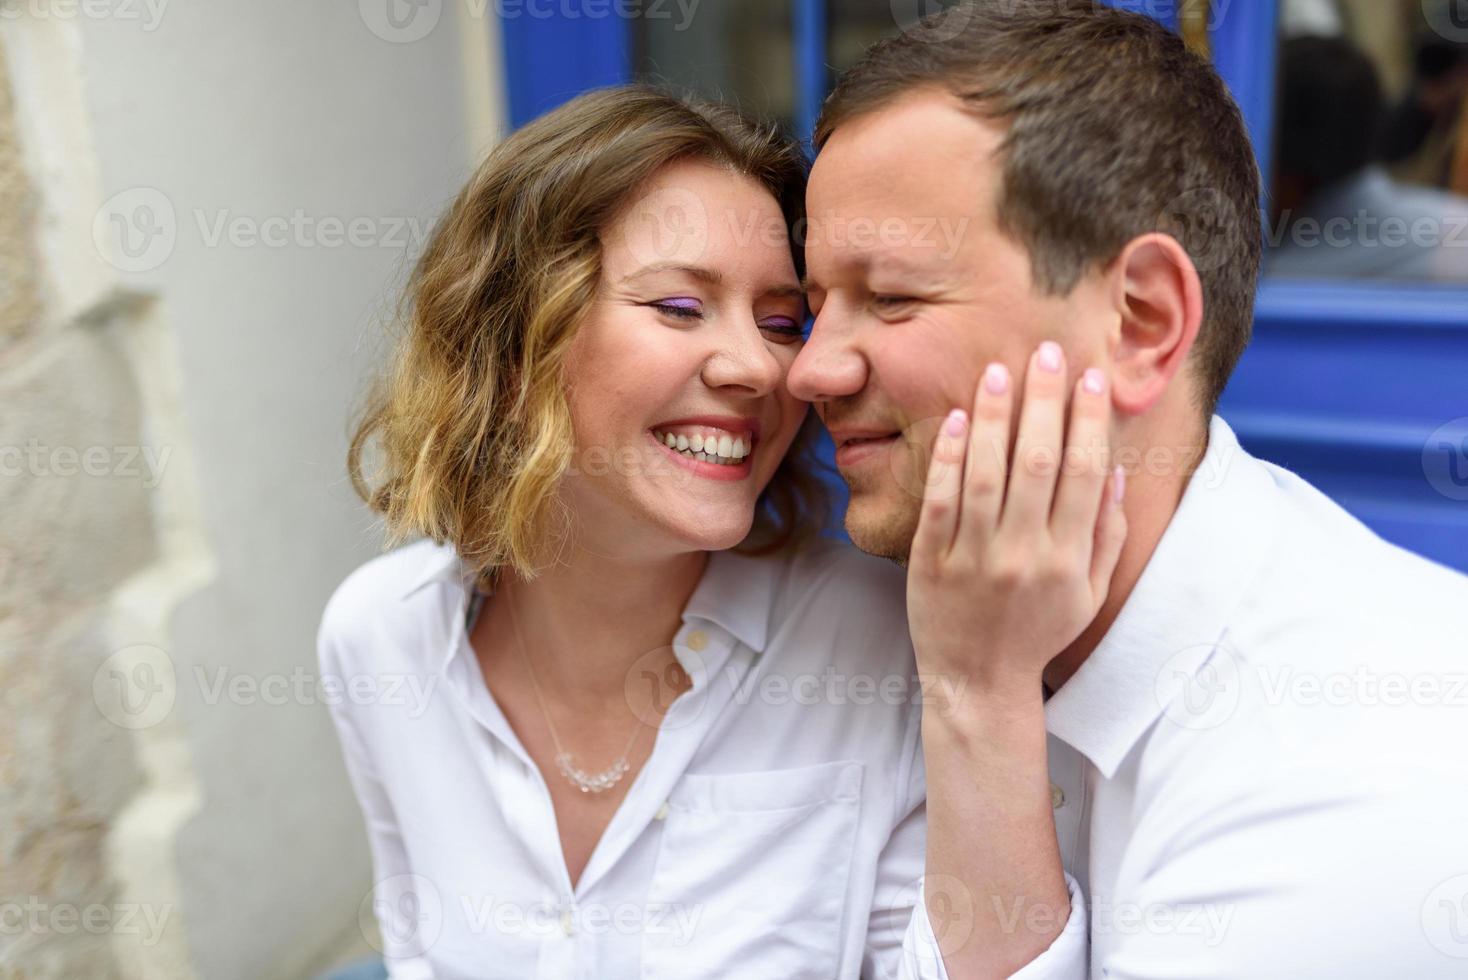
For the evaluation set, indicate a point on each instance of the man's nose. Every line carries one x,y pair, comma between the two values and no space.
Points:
829,366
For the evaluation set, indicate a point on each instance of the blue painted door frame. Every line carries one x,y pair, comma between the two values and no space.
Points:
1360,388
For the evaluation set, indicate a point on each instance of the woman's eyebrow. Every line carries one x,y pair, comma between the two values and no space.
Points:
711,276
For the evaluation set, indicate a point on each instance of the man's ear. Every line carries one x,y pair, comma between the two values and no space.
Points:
1157,292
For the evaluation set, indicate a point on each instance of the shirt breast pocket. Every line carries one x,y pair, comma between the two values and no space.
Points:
752,874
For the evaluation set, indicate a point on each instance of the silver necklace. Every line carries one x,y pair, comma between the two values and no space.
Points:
587,782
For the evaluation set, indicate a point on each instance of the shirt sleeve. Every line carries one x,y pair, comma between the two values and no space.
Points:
402,902
1065,959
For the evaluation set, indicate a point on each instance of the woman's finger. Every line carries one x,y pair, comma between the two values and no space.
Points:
1086,465
942,493
1037,444
987,466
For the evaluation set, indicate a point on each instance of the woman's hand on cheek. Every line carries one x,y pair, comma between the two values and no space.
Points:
1015,545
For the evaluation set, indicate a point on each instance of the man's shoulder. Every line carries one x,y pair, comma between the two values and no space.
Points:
1343,654
1331,576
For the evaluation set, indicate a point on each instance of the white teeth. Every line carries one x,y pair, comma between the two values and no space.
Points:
725,450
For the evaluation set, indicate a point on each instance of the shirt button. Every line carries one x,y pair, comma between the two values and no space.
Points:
697,640
662,813
568,924
1057,797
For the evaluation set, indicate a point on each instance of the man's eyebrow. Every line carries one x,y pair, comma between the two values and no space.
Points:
711,276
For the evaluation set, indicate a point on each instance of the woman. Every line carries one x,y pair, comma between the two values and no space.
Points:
663,730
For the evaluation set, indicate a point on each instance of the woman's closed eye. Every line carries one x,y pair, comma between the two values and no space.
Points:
679,307
785,329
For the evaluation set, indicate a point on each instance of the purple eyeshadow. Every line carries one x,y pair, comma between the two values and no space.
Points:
680,302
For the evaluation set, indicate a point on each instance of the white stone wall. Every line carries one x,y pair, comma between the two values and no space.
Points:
205,208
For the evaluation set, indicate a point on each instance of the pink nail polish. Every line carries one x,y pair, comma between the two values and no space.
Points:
996,379
1094,381
1050,357
954,425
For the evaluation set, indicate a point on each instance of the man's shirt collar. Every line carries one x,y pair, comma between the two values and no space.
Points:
1180,610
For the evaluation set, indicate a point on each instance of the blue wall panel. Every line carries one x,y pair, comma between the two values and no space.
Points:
551,58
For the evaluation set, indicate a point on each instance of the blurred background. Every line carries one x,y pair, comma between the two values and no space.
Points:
208,208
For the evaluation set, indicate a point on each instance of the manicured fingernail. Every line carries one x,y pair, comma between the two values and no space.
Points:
1118,484
954,425
996,379
1050,357
1094,381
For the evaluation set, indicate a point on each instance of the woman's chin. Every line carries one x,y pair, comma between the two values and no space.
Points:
707,532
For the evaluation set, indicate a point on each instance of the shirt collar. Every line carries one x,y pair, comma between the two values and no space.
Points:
736,592
1180,609
443,564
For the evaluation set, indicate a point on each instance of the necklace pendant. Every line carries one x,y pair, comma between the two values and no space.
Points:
592,782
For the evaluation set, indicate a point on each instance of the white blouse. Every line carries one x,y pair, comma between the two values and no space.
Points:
776,831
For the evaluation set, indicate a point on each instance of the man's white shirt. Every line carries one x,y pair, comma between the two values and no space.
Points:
1260,771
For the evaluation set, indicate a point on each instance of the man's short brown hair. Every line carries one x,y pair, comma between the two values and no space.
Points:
1113,129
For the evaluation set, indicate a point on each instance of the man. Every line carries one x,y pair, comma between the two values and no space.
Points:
1255,734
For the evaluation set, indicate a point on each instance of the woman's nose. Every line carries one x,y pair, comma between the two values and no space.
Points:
747,363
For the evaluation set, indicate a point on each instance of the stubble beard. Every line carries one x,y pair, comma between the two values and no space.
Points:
881,519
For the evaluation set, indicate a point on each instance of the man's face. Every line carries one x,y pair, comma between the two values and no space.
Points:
915,290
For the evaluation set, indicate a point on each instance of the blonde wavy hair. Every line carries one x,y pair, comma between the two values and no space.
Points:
471,422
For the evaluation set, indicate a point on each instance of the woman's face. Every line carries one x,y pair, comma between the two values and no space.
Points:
677,376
